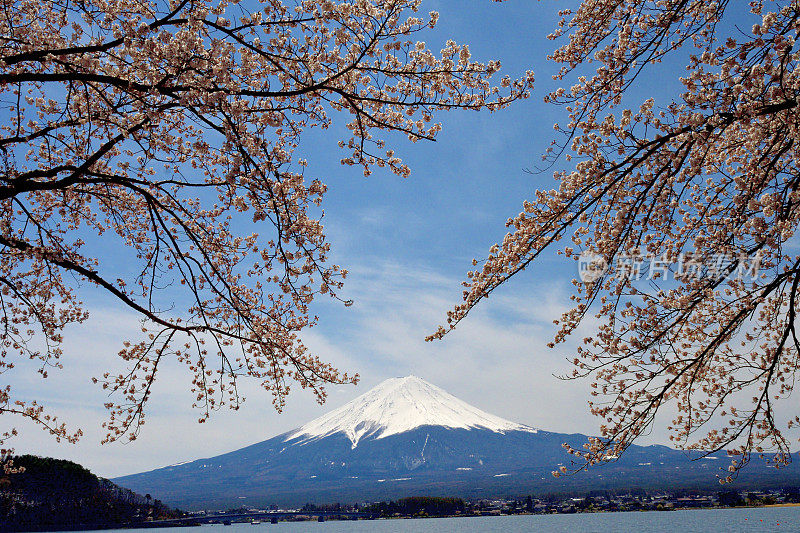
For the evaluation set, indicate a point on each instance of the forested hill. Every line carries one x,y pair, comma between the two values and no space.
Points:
53,494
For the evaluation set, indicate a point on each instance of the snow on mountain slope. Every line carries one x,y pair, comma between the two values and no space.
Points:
398,405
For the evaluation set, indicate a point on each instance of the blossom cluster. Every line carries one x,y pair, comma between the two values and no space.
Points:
713,168
152,150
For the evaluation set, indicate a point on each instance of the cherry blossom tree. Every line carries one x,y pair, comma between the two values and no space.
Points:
708,173
169,133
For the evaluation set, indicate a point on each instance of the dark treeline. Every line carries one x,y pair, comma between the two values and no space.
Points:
411,506
418,505
57,494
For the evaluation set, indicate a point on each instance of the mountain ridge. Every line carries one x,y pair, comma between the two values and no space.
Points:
381,446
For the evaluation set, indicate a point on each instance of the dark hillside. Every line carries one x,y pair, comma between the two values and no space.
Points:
51,494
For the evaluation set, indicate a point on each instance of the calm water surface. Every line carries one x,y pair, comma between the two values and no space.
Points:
778,519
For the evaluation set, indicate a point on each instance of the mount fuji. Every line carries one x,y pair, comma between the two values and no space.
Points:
397,406
408,437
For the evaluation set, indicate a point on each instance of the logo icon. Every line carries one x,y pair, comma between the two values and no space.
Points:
591,266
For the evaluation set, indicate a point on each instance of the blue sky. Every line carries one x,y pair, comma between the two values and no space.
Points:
408,244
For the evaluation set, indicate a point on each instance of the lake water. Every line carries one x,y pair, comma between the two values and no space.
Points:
763,519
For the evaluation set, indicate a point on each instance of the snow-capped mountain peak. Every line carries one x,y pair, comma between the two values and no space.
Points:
398,405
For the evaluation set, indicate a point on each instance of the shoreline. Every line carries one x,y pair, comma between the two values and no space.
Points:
189,523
